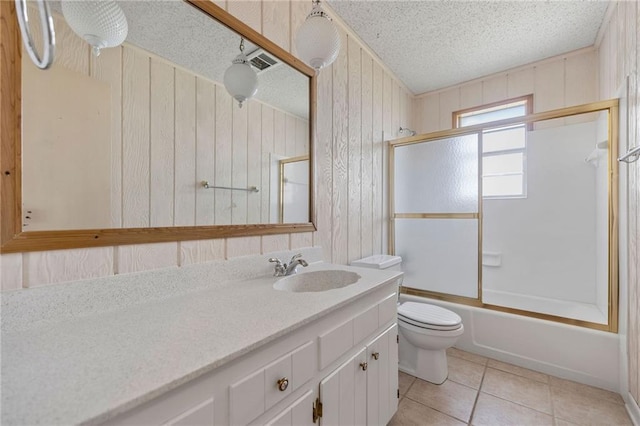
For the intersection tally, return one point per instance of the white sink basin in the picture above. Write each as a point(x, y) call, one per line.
point(316, 281)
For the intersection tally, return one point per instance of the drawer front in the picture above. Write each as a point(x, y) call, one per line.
point(387, 310)
point(335, 342)
point(199, 415)
point(365, 323)
point(257, 393)
point(303, 364)
point(277, 381)
point(247, 399)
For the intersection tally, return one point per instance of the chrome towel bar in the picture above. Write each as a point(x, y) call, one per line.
point(205, 184)
point(631, 156)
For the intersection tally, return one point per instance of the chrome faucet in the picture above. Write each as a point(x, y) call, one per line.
point(284, 269)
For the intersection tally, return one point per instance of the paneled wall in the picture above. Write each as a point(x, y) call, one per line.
point(360, 104)
point(619, 59)
point(561, 81)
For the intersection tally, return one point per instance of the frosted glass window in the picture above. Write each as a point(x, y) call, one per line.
point(493, 114)
point(502, 186)
point(503, 139)
point(439, 255)
point(499, 146)
point(502, 164)
point(437, 177)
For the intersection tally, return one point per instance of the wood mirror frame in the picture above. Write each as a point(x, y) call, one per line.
point(12, 237)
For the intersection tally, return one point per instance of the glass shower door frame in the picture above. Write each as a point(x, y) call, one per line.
point(609, 106)
point(477, 215)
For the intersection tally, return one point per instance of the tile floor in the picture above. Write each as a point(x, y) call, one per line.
point(483, 391)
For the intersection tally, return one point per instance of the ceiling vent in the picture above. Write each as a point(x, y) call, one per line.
point(262, 61)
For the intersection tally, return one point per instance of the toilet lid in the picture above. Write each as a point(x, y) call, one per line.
point(429, 316)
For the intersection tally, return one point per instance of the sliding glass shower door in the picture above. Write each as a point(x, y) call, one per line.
point(435, 207)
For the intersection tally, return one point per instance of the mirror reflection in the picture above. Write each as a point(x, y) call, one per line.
point(128, 138)
point(294, 189)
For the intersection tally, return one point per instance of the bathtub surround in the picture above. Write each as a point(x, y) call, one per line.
point(554, 255)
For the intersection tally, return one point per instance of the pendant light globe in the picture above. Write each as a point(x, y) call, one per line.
point(318, 40)
point(100, 23)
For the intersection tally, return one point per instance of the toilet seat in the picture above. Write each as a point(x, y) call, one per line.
point(429, 317)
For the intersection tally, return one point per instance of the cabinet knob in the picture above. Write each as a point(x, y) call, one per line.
point(283, 384)
point(375, 355)
point(364, 366)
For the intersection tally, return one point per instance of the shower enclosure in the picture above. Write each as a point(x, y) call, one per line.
point(534, 234)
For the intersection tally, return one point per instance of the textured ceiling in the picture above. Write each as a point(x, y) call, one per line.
point(185, 36)
point(434, 44)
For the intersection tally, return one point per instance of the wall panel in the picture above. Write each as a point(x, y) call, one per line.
point(494, 89)
point(109, 69)
point(557, 82)
point(162, 148)
point(366, 172)
point(354, 168)
point(185, 149)
point(340, 201)
point(135, 139)
point(618, 59)
point(205, 149)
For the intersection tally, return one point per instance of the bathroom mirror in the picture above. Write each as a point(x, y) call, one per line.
point(143, 143)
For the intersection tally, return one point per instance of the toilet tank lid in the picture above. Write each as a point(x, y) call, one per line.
point(378, 261)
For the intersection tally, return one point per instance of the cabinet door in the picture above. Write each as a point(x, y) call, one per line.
point(300, 413)
point(343, 393)
point(382, 377)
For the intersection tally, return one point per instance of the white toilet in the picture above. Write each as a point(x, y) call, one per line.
point(426, 331)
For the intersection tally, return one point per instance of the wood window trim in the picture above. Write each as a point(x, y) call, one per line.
point(455, 115)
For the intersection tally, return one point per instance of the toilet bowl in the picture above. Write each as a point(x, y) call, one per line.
point(426, 331)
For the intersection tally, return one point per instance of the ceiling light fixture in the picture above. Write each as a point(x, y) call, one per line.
point(317, 39)
point(100, 23)
point(240, 80)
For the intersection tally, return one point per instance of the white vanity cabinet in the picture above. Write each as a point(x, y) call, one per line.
point(282, 381)
point(363, 390)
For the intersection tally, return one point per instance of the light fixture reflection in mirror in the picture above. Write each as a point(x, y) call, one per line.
point(125, 140)
point(240, 78)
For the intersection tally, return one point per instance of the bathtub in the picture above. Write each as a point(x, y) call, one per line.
point(574, 353)
point(562, 308)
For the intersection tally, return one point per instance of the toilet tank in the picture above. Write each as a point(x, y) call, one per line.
point(380, 261)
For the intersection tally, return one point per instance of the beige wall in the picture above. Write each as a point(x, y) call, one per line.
point(619, 58)
point(561, 81)
point(358, 100)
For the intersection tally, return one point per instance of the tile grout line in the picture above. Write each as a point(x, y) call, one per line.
point(475, 403)
point(553, 406)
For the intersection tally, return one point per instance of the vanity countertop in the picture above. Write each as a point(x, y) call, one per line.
point(125, 349)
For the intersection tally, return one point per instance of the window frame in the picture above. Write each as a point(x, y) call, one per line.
point(528, 106)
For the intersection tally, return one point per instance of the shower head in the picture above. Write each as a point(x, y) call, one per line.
point(407, 131)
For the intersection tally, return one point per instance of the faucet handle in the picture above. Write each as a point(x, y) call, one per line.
point(295, 256)
point(275, 260)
